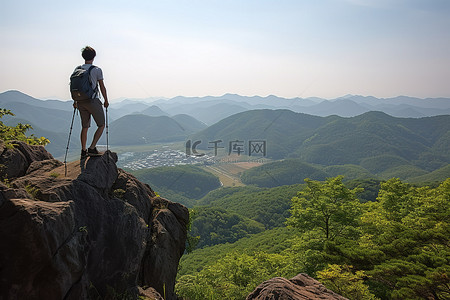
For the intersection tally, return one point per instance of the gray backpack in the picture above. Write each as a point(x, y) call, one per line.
point(80, 84)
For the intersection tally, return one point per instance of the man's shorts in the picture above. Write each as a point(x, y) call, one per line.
point(92, 107)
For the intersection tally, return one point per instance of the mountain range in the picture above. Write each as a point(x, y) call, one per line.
point(338, 131)
point(346, 106)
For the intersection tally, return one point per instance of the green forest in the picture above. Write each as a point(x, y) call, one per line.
point(394, 247)
point(363, 238)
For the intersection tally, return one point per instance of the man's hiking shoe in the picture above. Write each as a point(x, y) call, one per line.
point(83, 154)
point(93, 152)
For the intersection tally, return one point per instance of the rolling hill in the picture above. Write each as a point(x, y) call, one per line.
point(184, 183)
point(292, 171)
point(286, 172)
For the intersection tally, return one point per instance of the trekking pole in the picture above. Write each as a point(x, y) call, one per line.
point(107, 135)
point(68, 141)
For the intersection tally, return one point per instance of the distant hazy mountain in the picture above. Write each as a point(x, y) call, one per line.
point(189, 124)
point(215, 113)
point(440, 103)
point(58, 140)
point(213, 109)
point(131, 105)
point(208, 112)
point(271, 100)
point(142, 129)
point(126, 107)
point(343, 108)
point(347, 106)
point(10, 97)
point(154, 111)
point(45, 118)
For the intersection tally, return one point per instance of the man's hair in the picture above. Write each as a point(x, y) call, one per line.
point(88, 53)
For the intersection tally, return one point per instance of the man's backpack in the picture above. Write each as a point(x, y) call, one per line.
point(80, 84)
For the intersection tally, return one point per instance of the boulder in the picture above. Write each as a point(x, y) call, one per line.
point(301, 286)
point(15, 161)
point(97, 233)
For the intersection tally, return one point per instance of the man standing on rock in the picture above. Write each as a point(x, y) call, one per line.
point(92, 107)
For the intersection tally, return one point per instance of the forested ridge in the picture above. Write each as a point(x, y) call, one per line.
point(370, 140)
point(290, 171)
point(395, 247)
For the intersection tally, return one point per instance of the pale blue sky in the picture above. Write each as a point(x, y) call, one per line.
point(288, 48)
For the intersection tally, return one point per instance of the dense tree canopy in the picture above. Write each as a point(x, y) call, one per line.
point(409, 227)
point(218, 226)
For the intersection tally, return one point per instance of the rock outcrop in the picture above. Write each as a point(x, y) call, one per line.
point(301, 286)
point(97, 233)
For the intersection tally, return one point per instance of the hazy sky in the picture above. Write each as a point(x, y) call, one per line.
point(288, 48)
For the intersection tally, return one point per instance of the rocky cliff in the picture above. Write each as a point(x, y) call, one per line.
point(97, 233)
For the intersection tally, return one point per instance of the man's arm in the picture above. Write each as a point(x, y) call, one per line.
point(103, 90)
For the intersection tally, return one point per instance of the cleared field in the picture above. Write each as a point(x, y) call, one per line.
point(229, 173)
point(248, 165)
point(225, 178)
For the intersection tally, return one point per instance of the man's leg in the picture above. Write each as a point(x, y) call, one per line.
point(85, 117)
point(96, 109)
point(83, 137)
point(97, 135)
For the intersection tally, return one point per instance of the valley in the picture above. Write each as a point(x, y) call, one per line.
point(227, 168)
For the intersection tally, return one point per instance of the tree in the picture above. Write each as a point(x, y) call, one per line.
point(329, 206)
point(342, 280)
point(9, 133)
